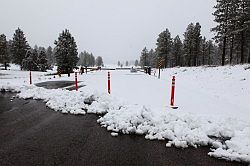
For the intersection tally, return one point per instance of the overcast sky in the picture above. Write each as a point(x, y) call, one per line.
point(113, 29)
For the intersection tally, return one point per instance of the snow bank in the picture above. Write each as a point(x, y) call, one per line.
point(183, 130)
point(228, 137)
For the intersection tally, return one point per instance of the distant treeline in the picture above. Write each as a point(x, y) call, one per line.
point(231, 45)
point(64, 54)
point(88, 59)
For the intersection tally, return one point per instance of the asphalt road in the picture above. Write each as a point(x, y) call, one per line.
point(31, 134)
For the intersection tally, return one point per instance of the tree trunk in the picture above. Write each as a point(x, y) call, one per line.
point(224, 51)
point(242, 48)
point(225, 38)
point(5, 65)
point(166, 61)
point(203, 55)
point(231, 50)
point(189, 57)
point(209, 55)
point(195, 59)
point(248, 55)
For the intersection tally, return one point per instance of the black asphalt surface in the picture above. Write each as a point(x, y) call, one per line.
point(32, 134)
point(55, 84)
point(58, 84)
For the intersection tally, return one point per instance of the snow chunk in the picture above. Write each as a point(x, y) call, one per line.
point(114, 134)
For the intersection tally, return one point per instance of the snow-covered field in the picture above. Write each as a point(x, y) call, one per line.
point(214, 104)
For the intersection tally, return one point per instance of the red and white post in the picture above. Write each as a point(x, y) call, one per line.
point(109, 83)
point(172, 92)
point(30, 78)
point(76, 83)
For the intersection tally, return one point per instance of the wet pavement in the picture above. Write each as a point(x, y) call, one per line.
point(32, 134)
point(59, 84)
point(55, 84)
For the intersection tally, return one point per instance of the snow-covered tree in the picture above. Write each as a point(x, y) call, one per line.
point(152, 58)
point(86, 59)
point(197, 43)
point(164, 46)
point(188, 45)
point(19, 47)
point(92, 60)
point(191, 44)
point(177, 50)
point(222, 18)
point(144, 61)
point(66, 52)
point(99, 61)
point(42, 61)
point(136, 63)
point(30, 62)
point(50, 57)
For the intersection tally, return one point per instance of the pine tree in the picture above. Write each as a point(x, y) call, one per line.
point(197, 43)
point(177, 50)
point(42, 61)
point(118, 63)
point(221, 17)
point(243, 28)
point(66, 52)
point(86, 59)
point(19, 47)
point(152, 58)
point(126, 63)
point(9, 44)
point(211, 57)
point(247, 25)
point(50, 57)
point(30, 62)
point(4, 56)
point(164, 45)
point(188, 45)
point(232, 30)
point(36, 47)
point(202, 60)
point(92, 60)
point(80, 61)
point(144, 61)
point(136, 63)
point(233, 12)
point(99, 61)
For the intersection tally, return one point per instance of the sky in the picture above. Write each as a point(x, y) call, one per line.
point(113, 29)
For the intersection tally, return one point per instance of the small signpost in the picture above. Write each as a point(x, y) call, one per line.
point(161, 63)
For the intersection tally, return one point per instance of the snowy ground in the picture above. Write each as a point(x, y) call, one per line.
point(214, 107)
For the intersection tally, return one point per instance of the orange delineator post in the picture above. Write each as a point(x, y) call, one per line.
point(30, 78)
point(76, 83)
point(172, 92)
point(108, 82)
